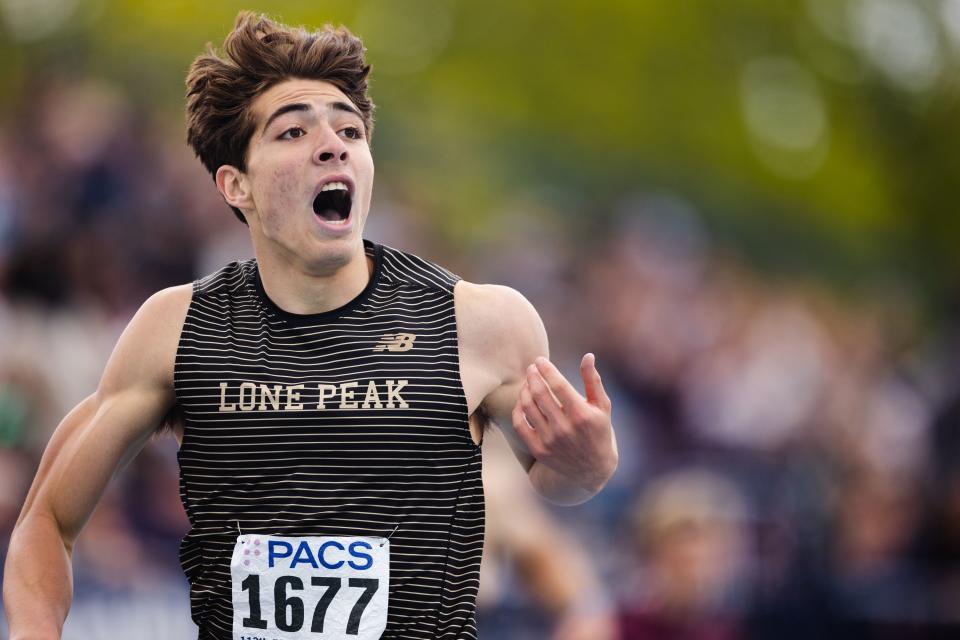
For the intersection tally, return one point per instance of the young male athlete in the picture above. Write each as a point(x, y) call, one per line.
point(330, 394)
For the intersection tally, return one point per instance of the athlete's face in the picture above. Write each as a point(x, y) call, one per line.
point(306, 191)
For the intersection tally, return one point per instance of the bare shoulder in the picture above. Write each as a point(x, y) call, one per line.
point(166, 310)
point(146, 350)
point(499, 324)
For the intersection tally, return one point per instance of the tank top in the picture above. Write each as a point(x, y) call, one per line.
point(351, 422)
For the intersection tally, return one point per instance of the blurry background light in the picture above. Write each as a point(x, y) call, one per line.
point(900, 39)
point(785, 115)
point(950, 15)
point(29, 20)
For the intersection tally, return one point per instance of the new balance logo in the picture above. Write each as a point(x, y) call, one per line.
point(395, 342)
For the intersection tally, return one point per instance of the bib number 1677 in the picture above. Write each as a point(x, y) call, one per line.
point(288, 610)
point(310, 588)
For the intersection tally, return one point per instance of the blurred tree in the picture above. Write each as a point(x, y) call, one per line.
point(817, 136)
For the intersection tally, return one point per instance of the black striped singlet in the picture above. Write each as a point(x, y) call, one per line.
point(351, 422)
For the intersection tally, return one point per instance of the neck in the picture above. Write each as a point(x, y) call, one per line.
point(304, 291)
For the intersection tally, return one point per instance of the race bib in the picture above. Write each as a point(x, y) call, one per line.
point(310, 588)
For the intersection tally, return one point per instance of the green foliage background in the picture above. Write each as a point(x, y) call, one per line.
point(581, 104)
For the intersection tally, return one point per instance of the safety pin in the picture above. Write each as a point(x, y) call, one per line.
point(389, 536)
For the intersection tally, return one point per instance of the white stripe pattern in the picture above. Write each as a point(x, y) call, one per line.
point(317, 462)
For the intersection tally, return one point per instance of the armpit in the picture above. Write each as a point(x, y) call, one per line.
point(172, 422)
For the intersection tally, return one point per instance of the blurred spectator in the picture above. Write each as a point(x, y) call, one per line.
point(553, 574)
point(692, 540)
point(552, 583)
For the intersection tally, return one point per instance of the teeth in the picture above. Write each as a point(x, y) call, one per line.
point(330, 186)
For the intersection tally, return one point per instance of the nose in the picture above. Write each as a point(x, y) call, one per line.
point(331, 150)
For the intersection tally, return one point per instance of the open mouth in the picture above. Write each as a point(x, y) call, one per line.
point(333, 203)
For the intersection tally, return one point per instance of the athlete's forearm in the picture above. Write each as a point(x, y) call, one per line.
point(563, 490)
point(38, 581)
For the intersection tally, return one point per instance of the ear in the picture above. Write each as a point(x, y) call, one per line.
point(234, 186)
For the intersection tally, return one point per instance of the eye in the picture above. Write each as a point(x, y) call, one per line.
point(353, 133)
point(292, 132)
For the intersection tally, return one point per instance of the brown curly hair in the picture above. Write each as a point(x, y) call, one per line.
point(260, 53)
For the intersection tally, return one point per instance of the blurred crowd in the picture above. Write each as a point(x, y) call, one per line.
point(787, 453)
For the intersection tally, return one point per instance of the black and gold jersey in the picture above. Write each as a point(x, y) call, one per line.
point(351, 422)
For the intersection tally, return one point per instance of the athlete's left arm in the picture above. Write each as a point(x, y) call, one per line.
point(564, 439)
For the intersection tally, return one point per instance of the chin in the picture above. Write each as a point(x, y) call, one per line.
point(330, 254)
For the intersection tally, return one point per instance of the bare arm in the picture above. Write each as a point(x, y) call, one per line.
point(564, 440)
point(94, 440)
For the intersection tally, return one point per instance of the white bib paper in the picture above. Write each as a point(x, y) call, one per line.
point(310, 588)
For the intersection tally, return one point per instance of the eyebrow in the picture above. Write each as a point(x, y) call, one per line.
point(302, 106)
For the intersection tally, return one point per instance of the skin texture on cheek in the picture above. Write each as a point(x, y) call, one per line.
point(279, 202)
point(284, 180)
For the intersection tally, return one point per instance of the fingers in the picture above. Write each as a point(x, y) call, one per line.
point(549, 405)
point(536, 403)
point(524, 430)
point(596, 395)
point(564, 391)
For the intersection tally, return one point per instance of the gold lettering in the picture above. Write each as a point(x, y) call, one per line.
point(327, 391)
point(346, 393)
point(273, 397)
point(266, 397)
point(223, 399)
point(372, 398)
point(293, 397)
point(252, 388)
point(394, 392)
